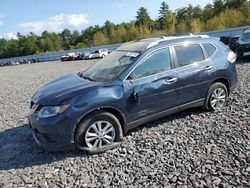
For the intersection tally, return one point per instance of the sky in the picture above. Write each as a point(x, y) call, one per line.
point(26, 16)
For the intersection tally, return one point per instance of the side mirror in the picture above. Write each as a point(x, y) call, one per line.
point(135, 95)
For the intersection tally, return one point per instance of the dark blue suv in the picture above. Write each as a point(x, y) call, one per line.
point(139, 82)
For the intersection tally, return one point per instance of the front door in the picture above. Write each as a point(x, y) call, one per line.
point(151, 86)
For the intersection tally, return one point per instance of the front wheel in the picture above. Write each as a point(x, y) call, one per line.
point(216, 97)
point(99, 132)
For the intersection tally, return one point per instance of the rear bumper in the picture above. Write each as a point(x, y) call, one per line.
point(242, 50)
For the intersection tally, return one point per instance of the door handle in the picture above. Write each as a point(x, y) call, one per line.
point(171, 80)
point(208, 67)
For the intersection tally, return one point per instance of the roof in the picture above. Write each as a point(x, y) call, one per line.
point(143, 44)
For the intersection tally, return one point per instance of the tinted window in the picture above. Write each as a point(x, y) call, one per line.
point(158, 62)
point(209, 48)
point(187, 54)
point(246, 35)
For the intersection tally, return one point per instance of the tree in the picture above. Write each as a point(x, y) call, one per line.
point(208, 12)
point(143, 18)
point(75, 38)
point(234, 4)
point(168, 23)
point(218, 6)
point(195, 26)
point(29, 44)
point(132, 32)
point(109, 29)
point(66, 39)
point(181, 27)
point(220, 14)
point(245, 9)
point(120, 34)
point(182, 14)
point(215, 24)
point(164, 9)
point(197, 12)
point(87, 35)
point(49, 42)
point(3, 47)
point(166, 18)
point(236, 18)
point(100, 39)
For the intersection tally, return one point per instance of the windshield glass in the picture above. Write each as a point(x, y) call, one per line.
point(110, 67)
point(246, 35)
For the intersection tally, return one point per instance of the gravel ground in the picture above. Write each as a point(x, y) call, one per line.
point(189, 149)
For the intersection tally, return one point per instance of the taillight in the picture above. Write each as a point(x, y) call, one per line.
point(231, 57)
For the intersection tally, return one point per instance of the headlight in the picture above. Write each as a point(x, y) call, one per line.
point(48, 111)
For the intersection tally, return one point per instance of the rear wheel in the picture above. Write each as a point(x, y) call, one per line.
point(216, 97)
point(99, 132)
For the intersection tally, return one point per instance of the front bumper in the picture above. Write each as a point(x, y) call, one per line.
point(53, 133)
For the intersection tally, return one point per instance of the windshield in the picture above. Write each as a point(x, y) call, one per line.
point(110, 67)
point(246, 35)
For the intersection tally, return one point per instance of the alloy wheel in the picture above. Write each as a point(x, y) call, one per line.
point(218, 98)
point(100, 134)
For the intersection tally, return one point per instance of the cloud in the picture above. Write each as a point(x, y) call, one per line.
point(1, 22)
point(56, 23)
point(12, 35)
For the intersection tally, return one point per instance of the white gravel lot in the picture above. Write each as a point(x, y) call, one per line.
point(189, 149)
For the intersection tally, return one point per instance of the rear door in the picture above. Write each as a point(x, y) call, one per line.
point(195, 70)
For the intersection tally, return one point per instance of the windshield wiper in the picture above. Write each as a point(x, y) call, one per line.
point(88, 78)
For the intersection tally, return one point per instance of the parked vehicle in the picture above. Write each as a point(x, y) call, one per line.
point(69, 57)
point(101, 53)
point(232, 41)
point(242, 46)
point(139, 82)
point(82, 56)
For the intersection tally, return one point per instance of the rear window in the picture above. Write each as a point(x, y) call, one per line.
point(187, 54)
point(209, 48)
point(246, 34)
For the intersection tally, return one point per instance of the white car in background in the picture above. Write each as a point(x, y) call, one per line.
point(101, 53)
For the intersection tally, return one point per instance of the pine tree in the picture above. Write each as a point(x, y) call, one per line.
point(164, 9)
point(143, 18)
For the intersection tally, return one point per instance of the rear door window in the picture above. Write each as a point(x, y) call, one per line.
point(209, 48)
point(187, 54)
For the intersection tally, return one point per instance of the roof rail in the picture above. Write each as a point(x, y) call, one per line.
point(166, 38)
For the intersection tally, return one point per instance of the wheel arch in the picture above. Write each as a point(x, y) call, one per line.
point(112, 110)
point(224, 81)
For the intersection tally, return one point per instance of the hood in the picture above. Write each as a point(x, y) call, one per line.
point(61, 89)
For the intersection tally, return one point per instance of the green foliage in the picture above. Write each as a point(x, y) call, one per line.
point(143, 18)
point(100, 39)
point(221, 14)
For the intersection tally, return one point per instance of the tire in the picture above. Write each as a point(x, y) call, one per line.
point(216, 92)
point(88, 136)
